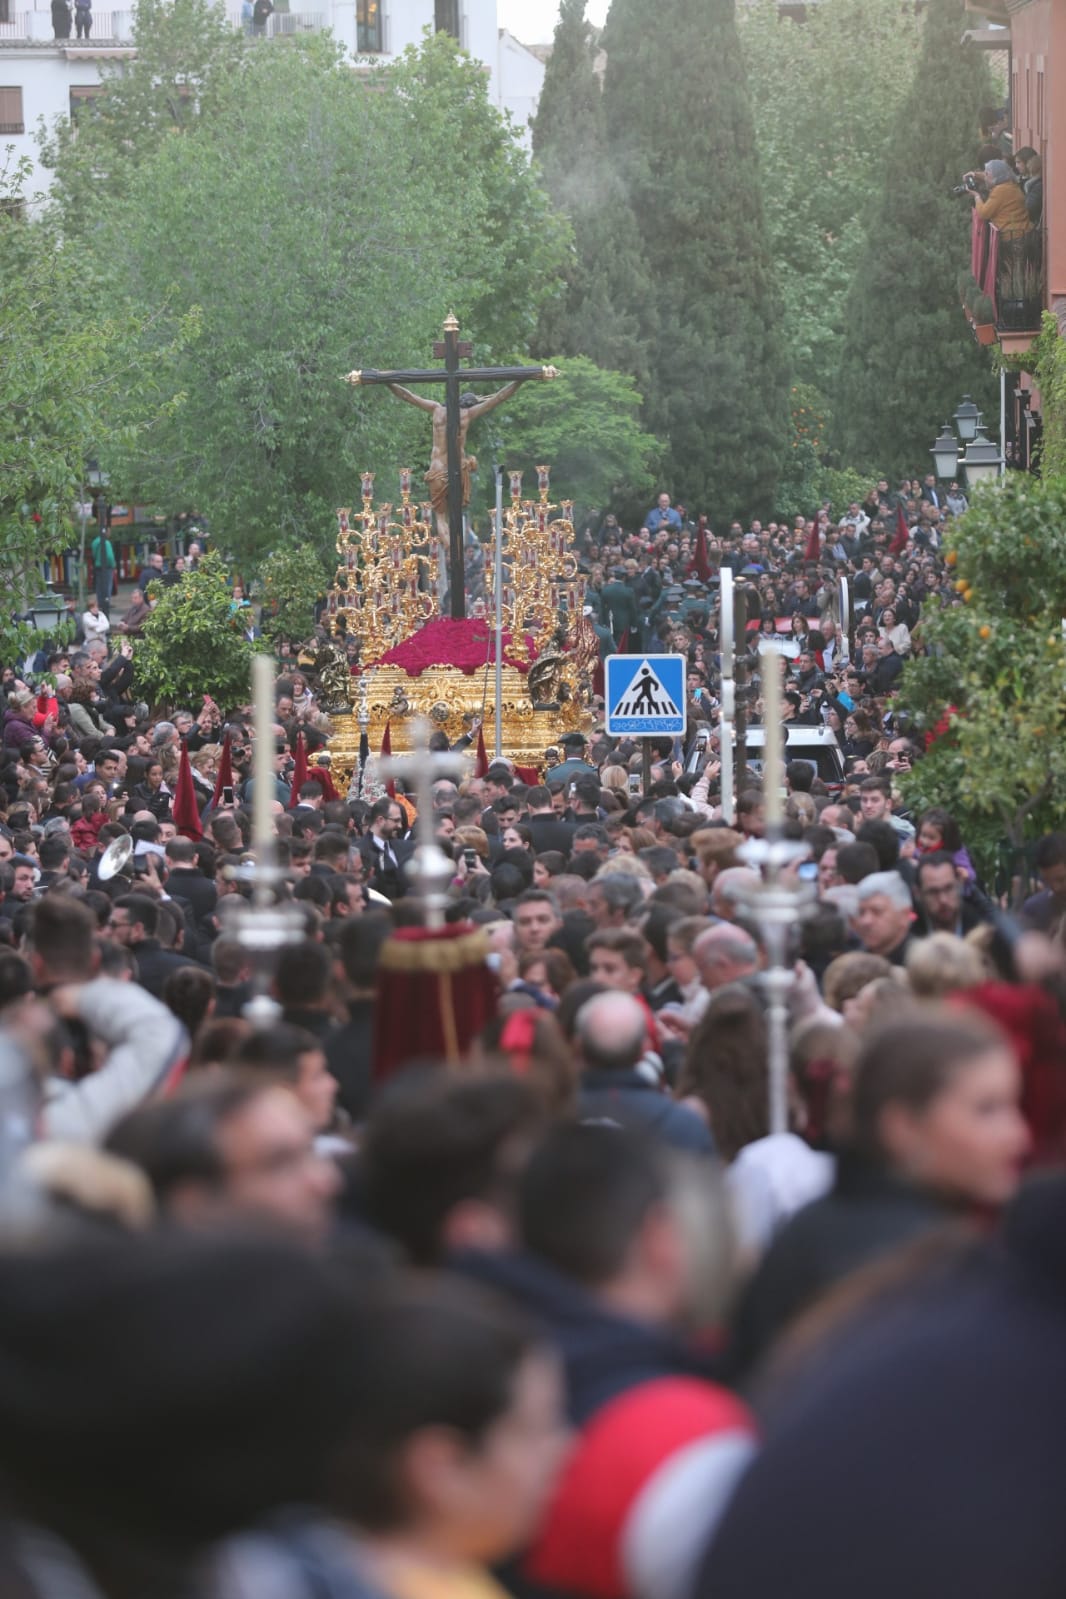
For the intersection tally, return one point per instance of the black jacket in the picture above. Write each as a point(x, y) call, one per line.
point(548, 832)
point(921, 1455)
point(866, 1214)
point(155, 964)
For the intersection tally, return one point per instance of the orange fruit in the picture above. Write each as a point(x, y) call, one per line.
point(961, 583)
point(951, 557)
point(985, 632)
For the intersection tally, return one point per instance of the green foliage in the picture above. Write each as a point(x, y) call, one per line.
point(680, 134)
point(906, 355)
point(500, 244)
point(1048, 357)
point(838, 486)
point(999, 660)
point(586, 426)
point(73, 384)
point(319, 237)
point(825, 92)
point(605, 311)
point(290, 582)
point(798, 489)
point(192, 644)
point(186, 53)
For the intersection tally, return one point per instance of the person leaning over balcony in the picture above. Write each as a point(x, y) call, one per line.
point(1031, 170)
point(1005, 205)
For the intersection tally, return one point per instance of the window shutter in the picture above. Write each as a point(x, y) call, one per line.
point(11, 119)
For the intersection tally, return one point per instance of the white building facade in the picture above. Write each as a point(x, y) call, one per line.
point(42, 78)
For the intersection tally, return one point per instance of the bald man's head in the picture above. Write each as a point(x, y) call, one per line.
point(725, 954)
point(611, 1031)
point(729, 889)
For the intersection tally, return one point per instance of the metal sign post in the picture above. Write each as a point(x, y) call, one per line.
point(727, 695)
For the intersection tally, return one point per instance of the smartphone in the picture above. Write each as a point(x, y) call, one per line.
point(227, 794)
point(470, 856)
point(634, 782)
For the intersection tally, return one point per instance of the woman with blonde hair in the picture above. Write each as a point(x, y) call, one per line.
point(941, 965)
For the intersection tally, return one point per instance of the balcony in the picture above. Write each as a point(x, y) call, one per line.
point(1005, 292)
point(116, 27)
point(283, 24)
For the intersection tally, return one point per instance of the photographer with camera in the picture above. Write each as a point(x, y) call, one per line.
point(1005, 206)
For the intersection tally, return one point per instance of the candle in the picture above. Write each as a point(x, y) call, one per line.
point(773, 772)
point(263, 762)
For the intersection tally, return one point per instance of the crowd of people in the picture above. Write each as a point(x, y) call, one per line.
point(560, 1316)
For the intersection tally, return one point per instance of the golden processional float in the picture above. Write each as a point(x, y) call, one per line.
point(415, 664)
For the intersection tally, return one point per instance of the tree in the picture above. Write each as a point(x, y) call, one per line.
point(990, 690)
point(586, 426)
point(605, 310)
point(290, 582)
point(192, 643)
point(323, 240)
point(686, 155)
point(502, 246)
point(69, 365)
point(826, 91)
point(906, 357)
point(187, 53)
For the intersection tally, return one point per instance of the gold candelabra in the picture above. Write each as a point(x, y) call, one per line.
point(390, 575)
point(541, 585)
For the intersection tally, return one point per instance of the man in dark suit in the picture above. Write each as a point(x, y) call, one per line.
point(884, 679)
point(135, 923)
point(547, 831)
point(384, 851)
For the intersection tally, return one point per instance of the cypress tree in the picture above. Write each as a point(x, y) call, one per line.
point(604, 310)
point(680, 132)
point(907, 357)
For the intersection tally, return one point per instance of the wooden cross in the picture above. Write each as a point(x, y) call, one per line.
point(454, 377)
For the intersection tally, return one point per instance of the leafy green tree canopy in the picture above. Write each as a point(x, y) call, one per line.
point(320, 236)
point(75, 383)
point(192, 644)
point(907, 358)
point(681, 134)
point(586, 426)
point(826, 91)
point(289, 583)
point(997, 662)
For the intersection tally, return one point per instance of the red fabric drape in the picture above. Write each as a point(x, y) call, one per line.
point(902, 533)
point(434, 995)
point(184, 806)
point(299, 771)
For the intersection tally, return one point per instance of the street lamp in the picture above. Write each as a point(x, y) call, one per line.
point(945, 453)
point(982, 460)
point(45, 612)
point(95, 479)
point(967, 419)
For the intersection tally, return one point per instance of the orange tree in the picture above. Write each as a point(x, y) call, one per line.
point(990, 692)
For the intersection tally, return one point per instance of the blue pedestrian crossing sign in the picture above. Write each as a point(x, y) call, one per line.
point(645, 695)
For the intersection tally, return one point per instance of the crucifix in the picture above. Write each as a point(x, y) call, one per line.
point(449, 465)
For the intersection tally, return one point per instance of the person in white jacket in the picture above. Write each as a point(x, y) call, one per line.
point(94, 624)
point(146, 1046)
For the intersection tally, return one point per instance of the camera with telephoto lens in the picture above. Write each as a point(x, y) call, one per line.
point(967, 186)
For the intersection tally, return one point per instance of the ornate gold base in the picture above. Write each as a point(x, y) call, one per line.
point(449, 700)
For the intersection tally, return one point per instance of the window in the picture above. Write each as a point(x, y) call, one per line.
point(368, 27)
point(80, 94)
point(446, 17)
point(11, 120)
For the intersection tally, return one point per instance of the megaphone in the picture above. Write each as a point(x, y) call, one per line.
point(115, 859)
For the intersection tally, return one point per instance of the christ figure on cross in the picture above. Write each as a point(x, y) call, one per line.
point(470, 407)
